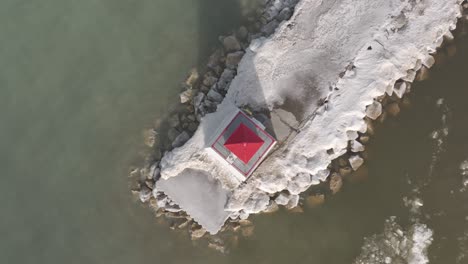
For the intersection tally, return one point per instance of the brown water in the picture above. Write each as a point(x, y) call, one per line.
point(78, 82)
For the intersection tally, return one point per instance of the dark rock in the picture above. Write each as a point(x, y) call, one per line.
point(225, 79)
point(181, 139)
point(209, 80)
point(215, 96)
point(231, 44)
point(284, 14)
point(192, 127)
point(269, 28)
point(198, 99)
point(145, 194)
point(242, 33)
point(174, 120)
point(215, 59)
point(233, 59)
point(172, 134)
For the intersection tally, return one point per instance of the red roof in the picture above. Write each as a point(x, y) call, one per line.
point(244, 143)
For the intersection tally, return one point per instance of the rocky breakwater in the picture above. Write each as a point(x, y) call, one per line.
point(203, 90)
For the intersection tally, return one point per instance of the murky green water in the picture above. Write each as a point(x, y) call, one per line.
point(80, 79)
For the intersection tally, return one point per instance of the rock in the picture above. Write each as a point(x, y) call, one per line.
point(393, 109)
point(336, 182)
point(218, 247)
point(342, 162)
point(242, 33)
point(271, 208)
point(172, 134)
point(145, 194)
point(245, 222)
point(215, 96)
point(181, 139)
point(233, 59)
point(400, 89)
point(150, 137)
point(270, 28)
point(197, 233)
point(299, 183)
point(248, 231)
point(374, 110)
point(315, 200)
point(284, 14)
point(225, 79)
point(282, 199)
point(356, 146)
point(215, 59)
point(192, 78)
point(153, 204)
point(209, 80)
point(173, 120)
point(293, 201)
point(370, 127)
point(192, 127)
point(451, 50)
point(355, 162)
point(198, 100)
point(360, 175)
point(231, 44)
point(345, 171)
point(364, 139)
point(423, 74)
point(296, 210)
point(186, 96)
point(150, 184)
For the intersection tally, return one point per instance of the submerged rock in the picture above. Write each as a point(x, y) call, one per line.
point(150, 137)
point(336, 182)
point(231, 44)
point(315, 200)
point(181, 139)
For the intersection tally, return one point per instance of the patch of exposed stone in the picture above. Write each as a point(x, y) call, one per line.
point(205, 89)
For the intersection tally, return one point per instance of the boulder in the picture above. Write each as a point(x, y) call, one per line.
point(248, 231)
point(284, 14)
point(173, 120)
point(242, 33)
point(393, 109)
point(271, 208)
point(215, 96)
point(356, 146)
point(150, 137)
point(315, 200)
point(192, 78)
point(172, 134)
point(198, 233)
point(374, 110)
point(293, 201)
point(270, 28)
point(355, 162)
point(225, 79)
point(231, 44)
point(282, 199)
point(233, 59)
point(186, 96)
point(181, 139)
point(209, 80)
point(198, 99)
point(336, 182)
point(145, 194)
